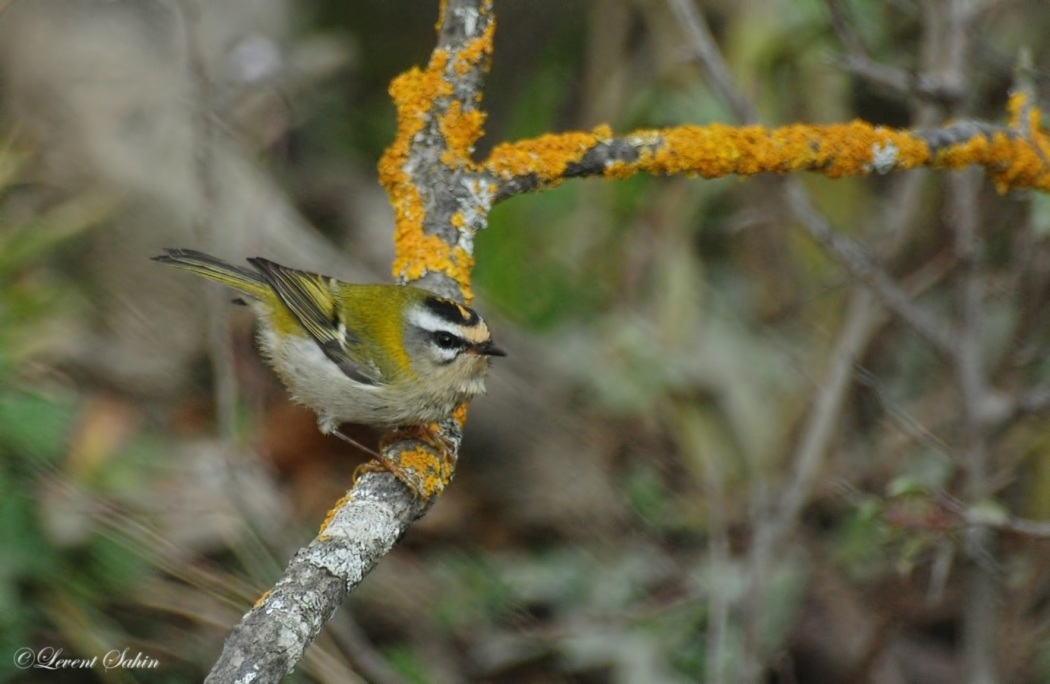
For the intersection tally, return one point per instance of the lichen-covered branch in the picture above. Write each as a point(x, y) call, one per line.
point(1014, 156)
point(438, 203)
point(437, 210)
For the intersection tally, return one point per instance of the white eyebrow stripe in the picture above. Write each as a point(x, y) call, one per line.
point(426, 320)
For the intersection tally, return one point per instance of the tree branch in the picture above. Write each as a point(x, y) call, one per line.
point(1012, 158)
point(437, 211)
point(272, 637)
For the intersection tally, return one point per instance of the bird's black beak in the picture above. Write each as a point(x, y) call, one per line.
point(488, 348)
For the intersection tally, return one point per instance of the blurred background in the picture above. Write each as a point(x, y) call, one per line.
point(711, 455)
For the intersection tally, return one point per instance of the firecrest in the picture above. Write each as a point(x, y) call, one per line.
point(382, 355)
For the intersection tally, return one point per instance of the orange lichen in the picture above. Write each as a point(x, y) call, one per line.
point(1023, 165)
point(416, 94)
point(838, 150)
point(1016, 106)
point(619, 169)
point(460, 130)
point(424, 99)
point(261, 599)
point(911, 151)
point(419, 254)
point(459, 414)
point(410, 92)
point(546, 157)
point(476, 53)
point(1014, 163)
point(429, 473)
point(717, 150)
point(331, 513)
point(713, 151)
point(419, 96)
point(442, 9)
point(963, 154)
point(708, 151)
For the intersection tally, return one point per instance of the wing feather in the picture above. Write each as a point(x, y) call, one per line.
point(311, 299)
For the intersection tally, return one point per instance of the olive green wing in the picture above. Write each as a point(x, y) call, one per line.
point(310, 298)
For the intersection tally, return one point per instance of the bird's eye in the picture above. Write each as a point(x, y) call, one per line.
point(446, 340)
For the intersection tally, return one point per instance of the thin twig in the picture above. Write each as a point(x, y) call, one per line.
point(970, 515)
point(861, 318)
point(905, 83)
point(703, 46)
point(860, 264)
point(858, 61)
point(950, 24)
point(843, 28)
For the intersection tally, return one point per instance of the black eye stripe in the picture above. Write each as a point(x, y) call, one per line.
point(450, 311)
point(446, 340)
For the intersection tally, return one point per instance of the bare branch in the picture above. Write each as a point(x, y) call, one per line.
point(858, 61)
point(703, 46)
point(905, 83)
point(843, 27)
point(860, 264)
point(272, 637)
point(861, 319)
point(985, 517)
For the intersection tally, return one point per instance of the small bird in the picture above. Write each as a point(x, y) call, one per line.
point(389, 356)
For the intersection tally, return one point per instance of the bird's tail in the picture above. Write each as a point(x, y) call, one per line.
point(245, 280)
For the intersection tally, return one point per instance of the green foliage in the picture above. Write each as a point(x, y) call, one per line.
point(647, 495)
point(472, 592)
point(46, 581)
point(61, 571)
point(533, 267)
point(862, 539)
point(34, 429)
point(406, 662)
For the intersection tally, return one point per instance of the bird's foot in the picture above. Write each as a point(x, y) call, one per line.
point(417, 468)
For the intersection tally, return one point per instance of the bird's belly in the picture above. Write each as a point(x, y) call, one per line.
point(319, 384)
